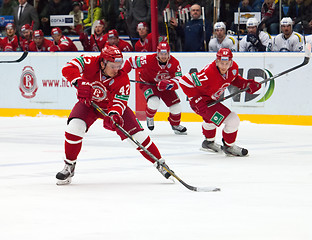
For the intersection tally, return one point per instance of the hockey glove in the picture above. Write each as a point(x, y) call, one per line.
point(167, 85)
point(254, 40)
point(253, 86)
point(85, 92)
point(111, 121)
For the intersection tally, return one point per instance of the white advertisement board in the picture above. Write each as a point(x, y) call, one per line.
point(37, 83)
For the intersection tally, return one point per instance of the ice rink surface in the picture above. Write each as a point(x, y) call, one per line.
point(117, 195)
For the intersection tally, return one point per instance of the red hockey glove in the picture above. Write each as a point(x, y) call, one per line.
point(85, 92)
point(253, 86)
point(199, 104)
point(111, 121)
point(167, 85)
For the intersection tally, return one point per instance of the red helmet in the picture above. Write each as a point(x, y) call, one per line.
point(163, 47)
point(224, 54)
point(111, 54)
point(56, 31)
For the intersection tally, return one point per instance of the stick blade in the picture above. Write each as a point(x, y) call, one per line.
point(208, 189)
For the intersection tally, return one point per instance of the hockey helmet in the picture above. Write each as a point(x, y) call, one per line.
point(56, 31)
point(25, 27)
point(286, 21)
point(163, 47)
point(112, 33)
point(111, 54)
point(252, 22)
point(219, 25)
point(224, 54)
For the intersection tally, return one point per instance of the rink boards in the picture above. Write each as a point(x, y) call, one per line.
point(35, 87)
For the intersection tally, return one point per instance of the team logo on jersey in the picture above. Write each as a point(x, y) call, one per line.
point(234, 71)
point(28, 82)
point(100, 91)
point(162, 75)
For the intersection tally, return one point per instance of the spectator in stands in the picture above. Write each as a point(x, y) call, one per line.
point(11, 42)
point(227, 9)
point(61, 42)
point(256, 5)
point(299, 10)
point(78, 17)
point(94, 15)
point(97, 40)
point(145, 42)
point(25, 13)
point(110, 12)
point(40, 44)
point(7, 7)
point(137, 11)
point(270, 16)
point(113, 39)
point(193, 34)
point(221, 40)
point(27, 37)
point(245, 6)
point(55, 7)
point(288, 40)
point(255, 40)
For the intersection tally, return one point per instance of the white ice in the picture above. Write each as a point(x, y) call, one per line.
point(117, 195)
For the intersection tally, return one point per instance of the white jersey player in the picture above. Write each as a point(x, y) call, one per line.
point(288, 40)
point(221, 40)
point(309, 39)
point(255, 41)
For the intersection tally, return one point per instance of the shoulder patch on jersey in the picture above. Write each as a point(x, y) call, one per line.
point(178, 74)
point(196, 80)
point(300, 39)
point(232, 39)
point(80, 59)
point(138, 62)
point(234, 71)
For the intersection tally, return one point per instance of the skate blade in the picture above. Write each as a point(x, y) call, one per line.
point(64, 182)
point(210, 150)
point(179, 133)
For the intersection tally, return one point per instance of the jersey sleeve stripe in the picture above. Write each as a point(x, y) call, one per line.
point(300, 39)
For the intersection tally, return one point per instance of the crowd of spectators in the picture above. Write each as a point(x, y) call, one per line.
point(181, 22)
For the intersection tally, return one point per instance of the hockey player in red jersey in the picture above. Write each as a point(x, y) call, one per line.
point(61, 42)
point(207, 86)
point(97, 40)
point(162, 70)
point(100, 79)
point(40, 44)
point(114, 40)
point(144, 44)
point(10, 42)
point(27, 33)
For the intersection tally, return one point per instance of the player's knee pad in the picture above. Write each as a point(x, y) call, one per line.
point(175, 109)
point(153, 102)
point(231, 123)
point(76, 127)
point(209, 126)
point(140, 136)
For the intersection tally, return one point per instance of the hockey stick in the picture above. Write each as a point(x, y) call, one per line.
point(204, 29)
point(24, 55)
point(147, 83)
point(196, 189)
point(305, 62)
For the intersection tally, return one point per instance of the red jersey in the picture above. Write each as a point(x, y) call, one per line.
point(123, 46)
point(10, 45)
point(25, 44)
point(210, 83)
point(44, 48)
point(151, 70)
point(144, 46)
point(65, 44)
point(111, 94)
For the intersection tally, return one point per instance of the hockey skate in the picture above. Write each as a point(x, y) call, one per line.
point(179, 130)
point(211, 146)
point(64, 176)
point(234, 150)
point(150, 123)
point(160, 167)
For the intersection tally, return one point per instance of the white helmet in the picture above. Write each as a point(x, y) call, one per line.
point(219, 25)
point(286, 21)
point(252, 22)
